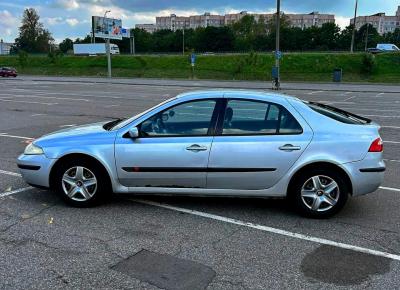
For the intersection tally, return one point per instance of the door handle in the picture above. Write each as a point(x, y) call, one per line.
point(289, 147)
point(196, 148)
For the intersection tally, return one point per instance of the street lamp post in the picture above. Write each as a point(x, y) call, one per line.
point(107, 46)
point(354, 28)
point(183, 40)
point(277, 47)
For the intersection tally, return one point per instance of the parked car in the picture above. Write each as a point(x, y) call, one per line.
point(220, 143)
point(8, 72)
point(374, 50)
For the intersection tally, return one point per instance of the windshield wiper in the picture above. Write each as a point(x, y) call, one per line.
point(108, 126)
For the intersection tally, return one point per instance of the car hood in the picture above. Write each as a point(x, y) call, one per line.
point(73, 132)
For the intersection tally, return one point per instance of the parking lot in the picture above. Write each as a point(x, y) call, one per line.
point(218, 243)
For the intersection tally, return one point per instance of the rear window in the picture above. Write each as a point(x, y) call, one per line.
point(338, 114)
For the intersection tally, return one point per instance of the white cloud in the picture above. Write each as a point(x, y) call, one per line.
point(342, 21)
point(72, 21)
point(53, 20)
point(8, 24)
point(67, 4)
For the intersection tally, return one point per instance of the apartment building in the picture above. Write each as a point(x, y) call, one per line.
point(380, 21)
point(5, 47)
point(148, 27)
point(174, 22)
point(304, 21)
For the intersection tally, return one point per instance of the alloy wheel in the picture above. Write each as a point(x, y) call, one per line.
point(79, 183)
point(320, 193)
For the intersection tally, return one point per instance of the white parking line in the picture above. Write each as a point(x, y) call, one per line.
point(382, 116)
point(315, 92)
point(271, 230)
point(14, 136)
point(69, 125)
point(28, 102)
point(391, 160)
point(389, 188)
point(345, 100)
point(391, 127)
point(391, 142)
point(10, 173)
point(7, 193)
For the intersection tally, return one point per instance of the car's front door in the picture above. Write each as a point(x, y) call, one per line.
point(172, 149)
point(257, 143)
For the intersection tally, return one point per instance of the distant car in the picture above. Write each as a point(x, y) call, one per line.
point(387, 47)
point(374, 50)
point(8, 72)
point(221, 143)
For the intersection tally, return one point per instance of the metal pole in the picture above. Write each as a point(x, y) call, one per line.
point(133, 44)
point(183, 42)
point(354, 28)
point(277, 48)
point(366, 38)
point(108, 57)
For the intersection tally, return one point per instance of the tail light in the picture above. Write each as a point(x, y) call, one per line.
point(376, 146)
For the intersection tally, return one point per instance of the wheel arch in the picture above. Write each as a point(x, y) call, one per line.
point(77, 156)
point(321, 165)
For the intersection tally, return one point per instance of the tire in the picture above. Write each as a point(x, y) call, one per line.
point(88, 184)
point(319, 199)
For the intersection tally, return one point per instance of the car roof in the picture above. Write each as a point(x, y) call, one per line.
point(246, 94)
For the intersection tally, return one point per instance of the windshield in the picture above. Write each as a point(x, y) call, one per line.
point(123, 122)
point(338, 114)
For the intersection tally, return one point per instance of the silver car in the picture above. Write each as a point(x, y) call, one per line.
point(219, 143)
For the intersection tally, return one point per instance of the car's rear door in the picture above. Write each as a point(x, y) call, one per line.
point(258, 141)
point(172, 150)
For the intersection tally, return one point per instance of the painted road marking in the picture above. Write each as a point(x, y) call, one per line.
point(389, 188)
point(14, 136)
point(271, 229)
point(391, 142)
point(345, 100)
point(381, 116)
point(70, 125)
point(391, 160)
point(7, 193)
point(10, 173)
point(28, 102)
point(315, 92)
point(391, 127)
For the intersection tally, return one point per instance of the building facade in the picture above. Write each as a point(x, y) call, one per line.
point(380, 21)
point(174, 22)
point(5, 47)
point(148, 27)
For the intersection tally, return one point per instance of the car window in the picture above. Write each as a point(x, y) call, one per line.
point(187, 119)
point(337, 114)
point(244, 117)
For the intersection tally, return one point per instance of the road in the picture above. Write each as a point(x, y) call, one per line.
point(218, 243)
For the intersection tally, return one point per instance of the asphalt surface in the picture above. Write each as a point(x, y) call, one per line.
point(185, 242)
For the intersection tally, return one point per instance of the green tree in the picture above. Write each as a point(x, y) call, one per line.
point(66, 45)
point(33, 37)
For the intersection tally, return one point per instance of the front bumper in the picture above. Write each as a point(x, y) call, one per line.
point(35, 169)
point(366, 175)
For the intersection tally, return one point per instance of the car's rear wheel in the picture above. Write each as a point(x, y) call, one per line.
point(82, 183)
point(319, 193)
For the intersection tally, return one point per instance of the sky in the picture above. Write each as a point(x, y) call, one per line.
point(72, 18)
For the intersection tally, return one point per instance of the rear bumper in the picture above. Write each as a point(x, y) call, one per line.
point(35, 169)
point(366, 175)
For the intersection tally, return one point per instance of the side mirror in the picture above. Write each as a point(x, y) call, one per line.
point(133, 132)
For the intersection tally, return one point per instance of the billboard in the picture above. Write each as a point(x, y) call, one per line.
point(107, 27)
point(126, 32)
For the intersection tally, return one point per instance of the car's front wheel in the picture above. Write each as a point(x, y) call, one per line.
point(82, 183)
point(319, 193)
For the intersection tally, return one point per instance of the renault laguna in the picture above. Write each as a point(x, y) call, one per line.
point(218, 143)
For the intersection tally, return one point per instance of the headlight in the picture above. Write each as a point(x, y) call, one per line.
point(33, 149)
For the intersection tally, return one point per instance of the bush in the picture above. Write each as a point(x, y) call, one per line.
point(22, 58)
point(55, 56)
point(367, 63)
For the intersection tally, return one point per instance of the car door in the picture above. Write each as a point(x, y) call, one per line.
point(172, 149)
point(256, 144)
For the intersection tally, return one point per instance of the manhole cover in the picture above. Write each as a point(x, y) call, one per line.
point(166, 271)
